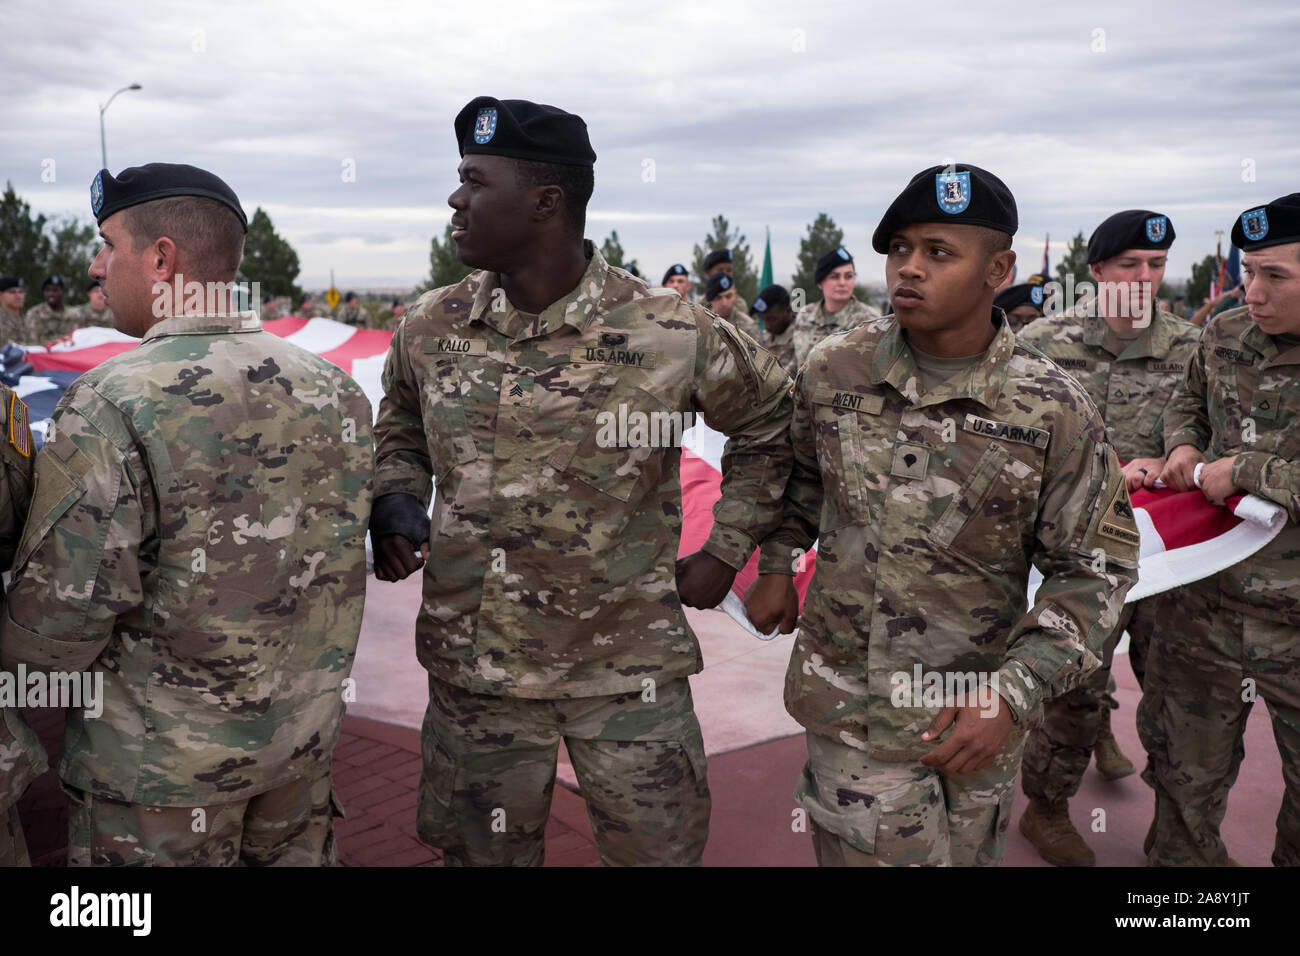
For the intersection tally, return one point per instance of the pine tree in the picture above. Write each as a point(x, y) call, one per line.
point(269, 259)
point(445, 267)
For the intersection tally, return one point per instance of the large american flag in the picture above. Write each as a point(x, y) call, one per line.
point(1184, 537)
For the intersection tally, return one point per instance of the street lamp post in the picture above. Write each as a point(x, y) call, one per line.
point(103, 143)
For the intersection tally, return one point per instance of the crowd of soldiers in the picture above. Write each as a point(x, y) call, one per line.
point(52, 318)
point(193, 530)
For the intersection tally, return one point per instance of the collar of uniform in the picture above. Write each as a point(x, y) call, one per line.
point(578, 308)
point(205, 324)
point(982, 382)
point(1260, 341)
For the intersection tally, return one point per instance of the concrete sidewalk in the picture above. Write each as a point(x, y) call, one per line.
point(756, 753)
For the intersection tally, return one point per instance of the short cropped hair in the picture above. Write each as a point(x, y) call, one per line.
point(577, 183)
point(208, 232)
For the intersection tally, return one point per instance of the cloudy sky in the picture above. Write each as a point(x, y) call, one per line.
point(767, 112)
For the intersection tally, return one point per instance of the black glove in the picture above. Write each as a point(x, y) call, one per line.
point(399, 513)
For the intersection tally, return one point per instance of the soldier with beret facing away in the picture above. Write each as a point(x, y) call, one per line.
point(196, 540)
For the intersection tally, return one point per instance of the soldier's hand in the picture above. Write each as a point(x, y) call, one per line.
point(974, 742)
point(703, 580)
point(1216, 481)
point(772, 601)
point(1179, 467)
point(395, 557)
point(1142, 473)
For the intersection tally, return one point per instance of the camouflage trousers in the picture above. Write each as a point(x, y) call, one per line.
point(489, 772)
point(863, 811)
point(291, 825)
point(1206, 666)
point(1060, 747)
point(13, 848)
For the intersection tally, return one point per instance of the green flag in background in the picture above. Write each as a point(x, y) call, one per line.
point(765, 279)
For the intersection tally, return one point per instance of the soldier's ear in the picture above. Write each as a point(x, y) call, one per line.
point(1000, 266)
point(550, 201)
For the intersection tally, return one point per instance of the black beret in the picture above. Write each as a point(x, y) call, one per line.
point(830, 262)
point(53, 280)
point(520, 129)
point(1130, 229)
point(962, 194)
point(93, 284)
point(1014, 296)
point(676, 269)
point(11, 282)
point(349, 297)
point(715, 257)
point(139, 184)
point(1274, 224)
point(718, 283)
point(773, 297)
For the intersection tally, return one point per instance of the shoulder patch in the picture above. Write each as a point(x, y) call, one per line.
point(1024, 434)
point(20, 436)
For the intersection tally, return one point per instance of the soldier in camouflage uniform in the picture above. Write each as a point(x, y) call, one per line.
point(351, 313)
point(936, 459)
point(13, 327)
point(838, 310)
point(95, 312)
point(50, 319)
point(679, 280)
point(311, 309)
point(1233, 428)
point(1022, 303)
point(22, 758)
point(720, 296)
point(549, 608)
point(772, 307)
point(720, 262)
point(1130, 358)
point(196, 537)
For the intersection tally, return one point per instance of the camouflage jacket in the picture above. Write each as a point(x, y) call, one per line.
point(782, 346)
point(1129, 380)
point(930, 509)
point(1242, 397)
point(352, 316)
point(14, 328)
point(812, 324)
point(22, 758)
point(558, 514)
point(86, 317)
point(197, 536)
point(46, 325)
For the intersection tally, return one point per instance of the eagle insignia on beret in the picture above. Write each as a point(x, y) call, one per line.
point(952, 191)
point(485, 126)
point(1255, 224)
point(97, 193)
point(1157, 226)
